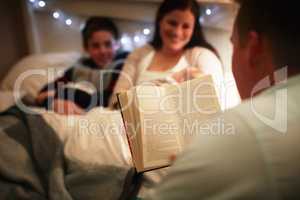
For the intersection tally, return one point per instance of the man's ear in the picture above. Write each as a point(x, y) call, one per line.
point(255, 47)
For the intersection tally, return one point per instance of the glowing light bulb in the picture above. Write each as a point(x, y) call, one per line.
point(146, 31)
point(123, 40)
point(56, 15)
point(42, 4)
point(68, 22)
point(208, 11)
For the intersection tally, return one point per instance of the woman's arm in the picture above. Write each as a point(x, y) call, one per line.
point(201, 61)
point(128, 75)
point(208, 63)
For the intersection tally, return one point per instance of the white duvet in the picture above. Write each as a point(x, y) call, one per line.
point(98, 138)
point(95, 138)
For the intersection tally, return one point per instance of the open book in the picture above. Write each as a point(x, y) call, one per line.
point(160, 120)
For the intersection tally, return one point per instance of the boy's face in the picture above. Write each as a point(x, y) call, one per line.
point(101, 47)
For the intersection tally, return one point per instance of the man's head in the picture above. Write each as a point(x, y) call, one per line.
point(100, 37)
point(265, 38)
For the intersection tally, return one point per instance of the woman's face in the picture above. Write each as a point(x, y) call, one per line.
point(176, 29)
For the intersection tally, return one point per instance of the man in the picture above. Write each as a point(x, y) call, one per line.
point(100, 69)
point(256, 153)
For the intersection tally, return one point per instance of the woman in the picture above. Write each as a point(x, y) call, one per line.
point(178, 51)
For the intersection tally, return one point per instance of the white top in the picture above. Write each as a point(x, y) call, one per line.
point(147, 76)
point(135, 68)
point(254, 156)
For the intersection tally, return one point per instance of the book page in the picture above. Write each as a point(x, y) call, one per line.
point(159, 126)
point(197, 103)
point(161, 140)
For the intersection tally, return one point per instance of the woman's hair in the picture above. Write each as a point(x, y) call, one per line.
point(94, 24)
point(168, 6)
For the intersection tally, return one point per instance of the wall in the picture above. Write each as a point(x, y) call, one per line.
point(220, 39)
point(55, 36)
point(12, 35)
point(131, 17)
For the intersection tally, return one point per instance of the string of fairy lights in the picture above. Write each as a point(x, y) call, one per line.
point(128, 40)
point(57, 14)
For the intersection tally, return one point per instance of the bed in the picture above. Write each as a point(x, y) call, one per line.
point(45, 155)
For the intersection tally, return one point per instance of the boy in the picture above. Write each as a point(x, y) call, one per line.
point(100, 69)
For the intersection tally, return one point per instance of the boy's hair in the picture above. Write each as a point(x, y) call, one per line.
point(277, 22)
point(94, 24)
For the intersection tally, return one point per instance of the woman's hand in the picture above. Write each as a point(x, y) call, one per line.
point(186, 74)
point(66, 107)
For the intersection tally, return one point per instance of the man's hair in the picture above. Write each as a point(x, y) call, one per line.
point(277, 22)
point(94, 24)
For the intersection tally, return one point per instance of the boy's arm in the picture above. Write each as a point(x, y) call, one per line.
point(50, 89)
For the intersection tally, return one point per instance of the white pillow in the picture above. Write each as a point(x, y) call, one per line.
point(31, 73)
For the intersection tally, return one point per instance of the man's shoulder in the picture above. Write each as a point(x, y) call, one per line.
point(271, 113)
point(284, 93)
point(241, 146)
point(266, 112)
